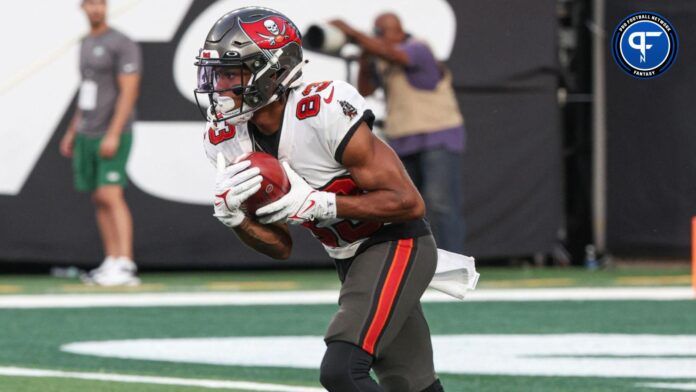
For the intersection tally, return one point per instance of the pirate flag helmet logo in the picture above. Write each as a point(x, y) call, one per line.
point(272, 32)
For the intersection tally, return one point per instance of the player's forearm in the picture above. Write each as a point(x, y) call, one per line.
point(381, 205)
point(75, 121)
point(124, 107)
point(272, 240)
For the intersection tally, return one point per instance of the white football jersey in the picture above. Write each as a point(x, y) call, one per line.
point(318, 122)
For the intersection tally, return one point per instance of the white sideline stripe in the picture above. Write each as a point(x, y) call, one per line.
point(213, 384)
point(331, 297)
point(675, 386)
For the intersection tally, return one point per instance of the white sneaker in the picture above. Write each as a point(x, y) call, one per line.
point(126, 264)
point(109, 262)
point(115, 277)
point(115, 272)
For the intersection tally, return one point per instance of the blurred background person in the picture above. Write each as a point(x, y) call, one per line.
point(99, 137)
point(423, 122)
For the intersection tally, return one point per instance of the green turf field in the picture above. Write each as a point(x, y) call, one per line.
point(32, 338)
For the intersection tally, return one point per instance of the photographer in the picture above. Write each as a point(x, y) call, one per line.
point(423, 122)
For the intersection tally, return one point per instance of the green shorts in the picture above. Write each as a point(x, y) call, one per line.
point(92, 171)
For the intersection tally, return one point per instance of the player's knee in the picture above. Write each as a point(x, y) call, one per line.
point(395, 383)
point(335, 370)
point(106, 197)
point(344, 367)
point(401, 383)
point(435, 387)
point(333, 375)
point(100, 199)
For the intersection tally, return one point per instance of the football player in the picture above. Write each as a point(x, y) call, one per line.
point(347, 187)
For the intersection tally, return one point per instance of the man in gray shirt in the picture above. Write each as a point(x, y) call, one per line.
point(99, 137)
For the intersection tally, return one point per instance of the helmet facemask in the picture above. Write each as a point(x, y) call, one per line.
point(222, 107)
point(258, 87)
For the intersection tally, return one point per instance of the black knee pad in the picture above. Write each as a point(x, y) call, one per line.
point(435, 387)
point(394, 383)
point(346, 368)
point(401, 383)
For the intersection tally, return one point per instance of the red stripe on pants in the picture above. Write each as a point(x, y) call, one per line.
point(388, 295)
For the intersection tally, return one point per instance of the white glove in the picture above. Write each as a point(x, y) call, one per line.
point(225, 107)
point(302, 204)
point(233, 185)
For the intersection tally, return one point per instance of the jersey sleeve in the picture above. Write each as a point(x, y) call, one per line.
point(129, 57)
point(342, 111)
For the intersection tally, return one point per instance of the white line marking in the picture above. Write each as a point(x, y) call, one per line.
point(642, 356)
point(665, 385)
point(331, 297)
point(213, 384)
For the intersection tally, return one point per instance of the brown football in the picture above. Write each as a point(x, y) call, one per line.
point(275, 182)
